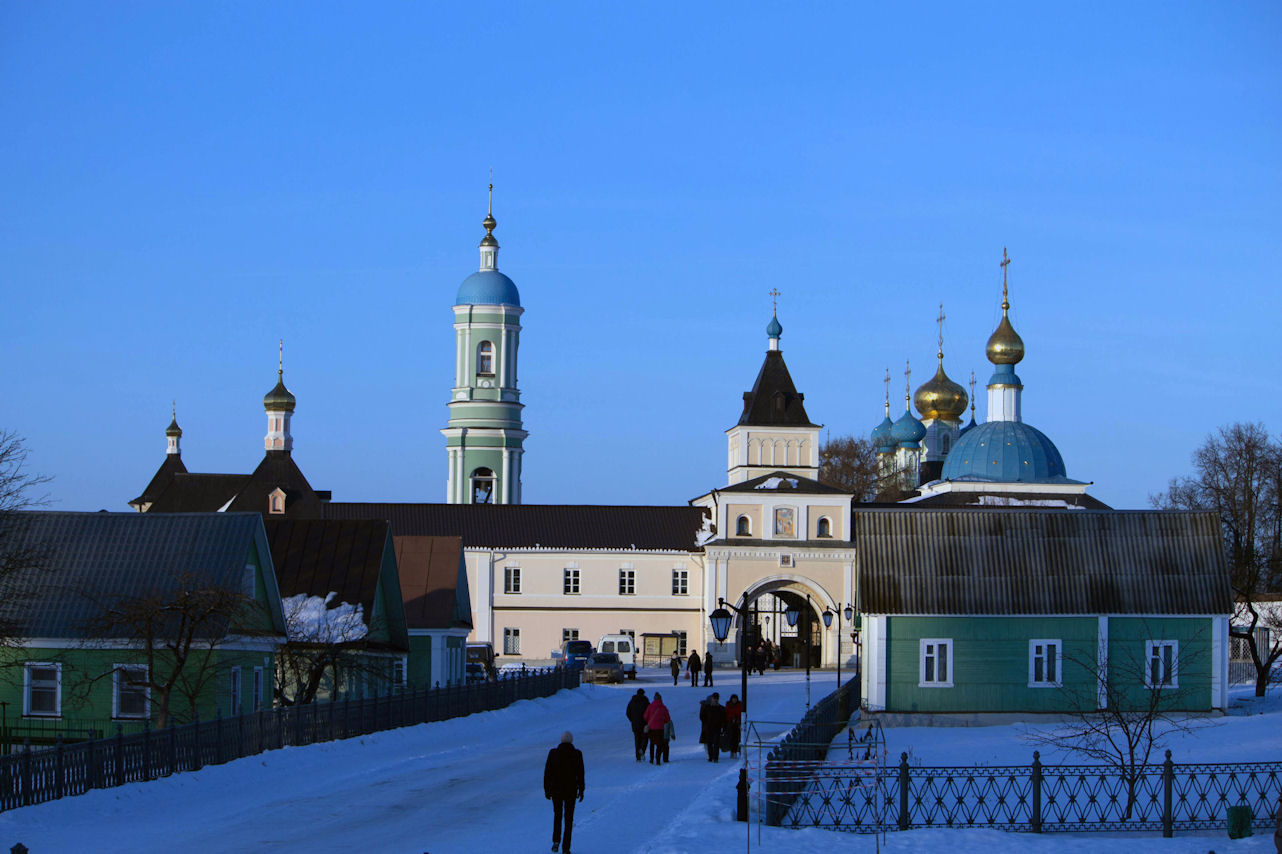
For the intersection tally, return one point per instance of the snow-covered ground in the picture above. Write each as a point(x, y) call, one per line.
point(475, 785)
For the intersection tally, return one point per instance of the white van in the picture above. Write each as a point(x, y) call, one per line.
point(625, 647)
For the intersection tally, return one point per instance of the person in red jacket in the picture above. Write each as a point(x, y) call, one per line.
point(656, 719)
point(734, 714)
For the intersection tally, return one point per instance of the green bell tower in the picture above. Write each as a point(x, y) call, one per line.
point(484, 438)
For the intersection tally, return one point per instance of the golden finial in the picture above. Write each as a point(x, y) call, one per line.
point(887, 392)
point(940, 320)
point(490, 208)
point(489, 222)
point(972, 395)
point(1005, 264)
point(280, 365)
point(908, 386)
point(173, 405)
point(775, 293)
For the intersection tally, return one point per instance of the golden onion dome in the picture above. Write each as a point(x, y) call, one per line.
point(1005, 347)
point(940, 397)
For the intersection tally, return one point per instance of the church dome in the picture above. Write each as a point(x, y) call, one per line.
point(279, 398)
point(1005, 452)
point(881, 438)
point(940, 397)
point(173, 429)
point(1005, 347)
point(908, 430)
point(775, 328)
point(488, 287)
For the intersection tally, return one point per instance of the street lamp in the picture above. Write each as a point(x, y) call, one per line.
point(827, 615)
point(792, 614)
point(721, 620)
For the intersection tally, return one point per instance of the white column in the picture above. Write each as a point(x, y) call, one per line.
point(505, 494)
point(1219, 662)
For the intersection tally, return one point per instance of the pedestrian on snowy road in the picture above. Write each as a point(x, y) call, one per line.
point(675, 664)
point(636, 716)
point(656, 720)
point(707, 670)
point(693, 666)
point(734, 718)
point(562, 782)
point(712, 720)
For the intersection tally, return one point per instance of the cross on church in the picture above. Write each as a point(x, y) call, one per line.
point(908, 383)
point(940, 320)
point(1005, 264)
point(775, 293)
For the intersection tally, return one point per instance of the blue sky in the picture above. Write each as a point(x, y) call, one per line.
point(181, 185)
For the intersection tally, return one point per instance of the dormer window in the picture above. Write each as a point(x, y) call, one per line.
point(485, 359)
point(276, 502)
point(825, 527)
point(743, 527)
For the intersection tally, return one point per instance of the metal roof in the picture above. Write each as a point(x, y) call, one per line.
point(1000, 561)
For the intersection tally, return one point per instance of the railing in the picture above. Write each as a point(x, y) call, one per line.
point(806, 743)
point(35, 776)
point(847, 794)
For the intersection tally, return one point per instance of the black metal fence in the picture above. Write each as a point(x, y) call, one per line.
point(807, 742)
point(850, 793)
point(34, 776)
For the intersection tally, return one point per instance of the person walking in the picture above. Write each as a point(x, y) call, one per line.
point(734, 717)
point(657, 720)
point(693, 666)
point(636, 716)
point(675, 664)
point(707, 670)
point(712, 719)
point(562, 783)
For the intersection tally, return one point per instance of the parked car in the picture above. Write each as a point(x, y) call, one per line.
point(575, 653)
point(603, 667)
point(481, 654)
point(625, 647)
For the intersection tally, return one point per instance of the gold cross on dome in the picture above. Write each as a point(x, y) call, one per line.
point(1005, 264)
point(775, 293)
point(908, 383)
point(940, 320)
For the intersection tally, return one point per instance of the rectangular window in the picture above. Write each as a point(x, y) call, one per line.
point(569, 635)
point(681, 643)
point(570, 583)
point(42, 694)
point(680, 582)
point(511, 579)
point(627, 582)
point(235, 690)
point(129, 691)
point(511, 641)
point(1044, 663)
point(1163, 664)
point(632, 633)
point(936, 667)
point(258, 689)
point(398, 673)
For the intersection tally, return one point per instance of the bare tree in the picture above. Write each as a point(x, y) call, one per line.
point(324, 640)
point(19, 490)
point(851, 464)
point(1238, 475)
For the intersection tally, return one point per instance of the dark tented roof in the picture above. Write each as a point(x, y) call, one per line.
point(198, 493)
point(774, 401)
point(93, 559)
point(553, 526)
point(195, 493)
point(172, 465)
point(434, 582)
point(1040, 562)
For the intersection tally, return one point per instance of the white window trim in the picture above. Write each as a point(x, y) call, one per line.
point(26, 689)
point(512, 633)
point(565, 581)
point(511, 573)
point(235, 686)
point(116, 673)
point(1174, 681)
point(258, 689)
point(630, 577)
point(1058, 681)
point(921, 662)
point(684, 576)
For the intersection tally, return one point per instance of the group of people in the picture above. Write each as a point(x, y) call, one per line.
point(652, 725)
point(765, 655)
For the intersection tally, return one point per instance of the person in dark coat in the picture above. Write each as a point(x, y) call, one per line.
point(712, 720)
point(707, 670)
point(636, 716)
point(693, 665)
point(562, 783)
point(675, 664)
point(734, 720)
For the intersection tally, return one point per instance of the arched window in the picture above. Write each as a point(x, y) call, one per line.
point(743, 528)
point(825, 527)
point(946, 443)
point(482, 486)
point(485, 358)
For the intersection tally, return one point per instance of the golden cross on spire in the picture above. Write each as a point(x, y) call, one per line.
point(174, 406)
point(1005, 264)
point(972, 395)
point(908, 385)
point(280, 367)
point(490, 208)
point(940, 321)
point(775, 293)
point(887, 391)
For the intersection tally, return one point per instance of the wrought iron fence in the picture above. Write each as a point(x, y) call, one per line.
point(807, 742)
point(853, 794)
point(34, 776)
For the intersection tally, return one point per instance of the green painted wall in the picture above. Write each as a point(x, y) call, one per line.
point(1127, 648)
point(419, 667)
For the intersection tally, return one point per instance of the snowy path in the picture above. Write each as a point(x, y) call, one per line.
point(475, 785)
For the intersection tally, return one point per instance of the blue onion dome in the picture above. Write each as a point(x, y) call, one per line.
point(940, 397)
point(881, 437)
point(487, 287)
point(908, 430)
point(279, 398)
point(1005, 452)
point(775, 329)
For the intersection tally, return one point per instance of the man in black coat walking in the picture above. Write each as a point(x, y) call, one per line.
point(694, 664)
point(562, 782)
point(636, 716)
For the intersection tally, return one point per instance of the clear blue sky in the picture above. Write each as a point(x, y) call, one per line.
point(183, 184)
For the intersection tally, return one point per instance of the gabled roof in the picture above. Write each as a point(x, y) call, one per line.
point(316, 557)
point(999, 561)
point(192, 493)
point(548, 526)
point(782, 481)
point(434, 582)
point(198, 493)
point(92, 559)
point(172, 465)
point(774, 401)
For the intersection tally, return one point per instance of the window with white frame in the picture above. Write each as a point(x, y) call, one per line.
point(399, 677)
point(1162, 670)
point(569, 635)
point(511, 641)
point(680, 582)
point(235, 691)
point(485, 359)
point(258, 689)
point(511, 579)
point(681, 642)
point(627, 582)
point(42, 689)
point(1045, 663)
point(130, 695)
point(936, 663)
point(570, 581)
point(632, 633)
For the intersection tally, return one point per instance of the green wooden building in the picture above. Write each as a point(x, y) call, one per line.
point(1055, 611)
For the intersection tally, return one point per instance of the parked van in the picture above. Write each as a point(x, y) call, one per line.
point(575, 653)
point(626, 648)
point(479, 662)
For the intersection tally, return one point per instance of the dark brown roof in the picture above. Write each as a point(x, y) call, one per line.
point(172, 465)
point(195, 493)
point(551, 526)
point(774, 401)
point(1004, 561)
point(198, 493)
point(782, 481)
point(433, 582)
point(316, 557)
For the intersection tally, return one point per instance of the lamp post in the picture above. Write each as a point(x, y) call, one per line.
point(721, 620)
point(849, 613)
point(792, 614)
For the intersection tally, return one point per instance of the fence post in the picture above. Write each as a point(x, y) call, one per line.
point(240, 735)
point(26, 772)
point(1168, 782)
point(195, 740)
point(1037, 792)
point(173, 748)
point(91, 765)
point(903, 791)
point(120, 755)
point(146, 750)
point(58, 756)
point(218, 739)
